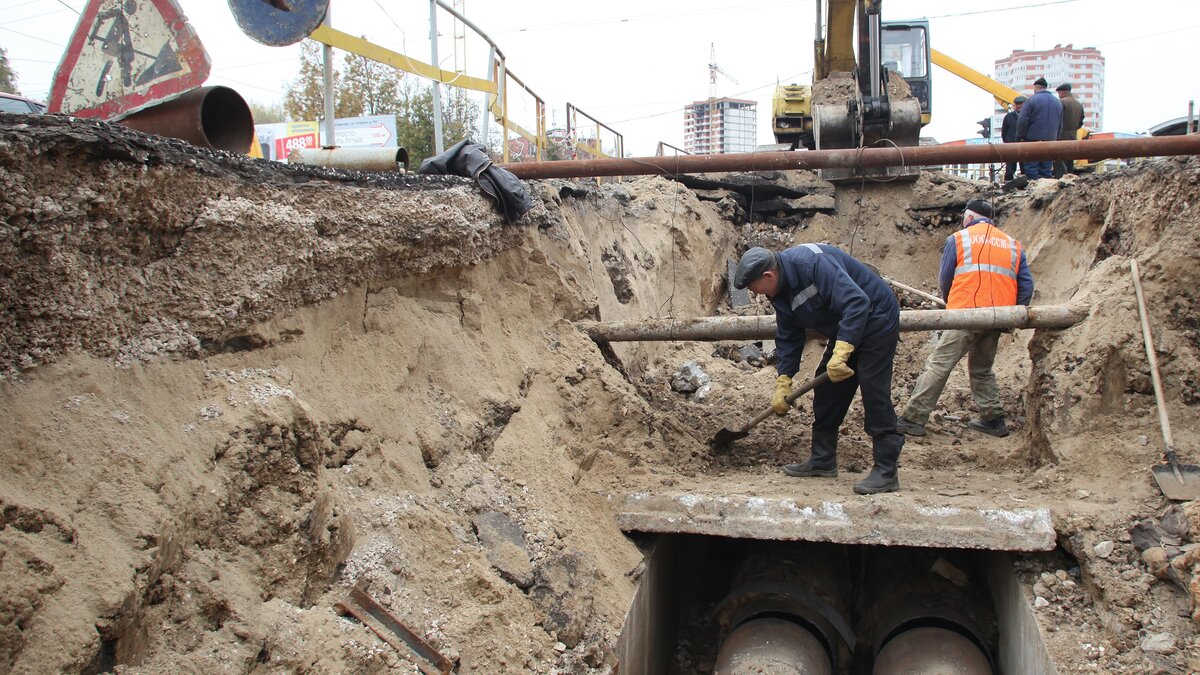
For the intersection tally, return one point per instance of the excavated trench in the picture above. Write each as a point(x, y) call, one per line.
point(234, 390)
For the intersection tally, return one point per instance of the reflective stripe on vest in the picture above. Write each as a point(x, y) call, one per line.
point(981, 277)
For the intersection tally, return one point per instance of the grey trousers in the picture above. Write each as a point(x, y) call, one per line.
point(979, 346)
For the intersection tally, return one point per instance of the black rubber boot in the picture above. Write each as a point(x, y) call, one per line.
point(995, 427)
point(823, 462)
point(883, 475)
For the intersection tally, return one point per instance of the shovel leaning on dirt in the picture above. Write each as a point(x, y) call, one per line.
point(1180, 482)
point(721, 441)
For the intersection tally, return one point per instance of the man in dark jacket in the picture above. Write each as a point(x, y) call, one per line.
point(822, 288)
point(1072, 120)
point(1008, 134)
point(1039, 120)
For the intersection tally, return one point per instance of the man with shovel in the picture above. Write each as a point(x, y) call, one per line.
point(822, 288)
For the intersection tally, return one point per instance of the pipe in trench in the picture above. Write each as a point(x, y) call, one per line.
point(772, 646)
point(762, 327)
point(210, 117)
point(856, 158)
point(930, 651)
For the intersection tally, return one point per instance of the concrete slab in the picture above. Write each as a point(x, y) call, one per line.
point(878, 521)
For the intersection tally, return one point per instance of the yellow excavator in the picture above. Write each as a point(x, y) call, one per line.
point(856, 99)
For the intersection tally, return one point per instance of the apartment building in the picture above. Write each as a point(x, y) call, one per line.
point(720, 126)
point(1083, 68)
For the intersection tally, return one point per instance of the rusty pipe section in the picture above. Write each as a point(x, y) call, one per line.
point(857, 158)
point(357, 159)
point(712, 328)
point(772, 646)
point(210, 117)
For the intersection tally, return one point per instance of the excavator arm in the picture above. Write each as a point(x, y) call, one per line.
point(1003, 94)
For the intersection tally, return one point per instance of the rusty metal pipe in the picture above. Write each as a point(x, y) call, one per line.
point(763, 327)
point(210, 117)
point(772, 646)
point(929, 155)
point(930, 651)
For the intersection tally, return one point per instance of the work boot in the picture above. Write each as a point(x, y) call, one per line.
point(883, 475)
point(909, 428)
point(995, 427)
point(823, 462)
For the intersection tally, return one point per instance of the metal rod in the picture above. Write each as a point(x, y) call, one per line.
point(762, 327)
point(915, 291)
point(330, 139)
point(438, 143)
point(854, 158)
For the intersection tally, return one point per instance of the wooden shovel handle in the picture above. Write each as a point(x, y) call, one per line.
point(1163, 421)
point(790, 398)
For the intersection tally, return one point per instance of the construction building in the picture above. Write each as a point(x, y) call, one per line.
point(720, 126)
point(1082, 68)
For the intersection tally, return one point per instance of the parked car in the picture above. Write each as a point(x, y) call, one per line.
point(11, 103)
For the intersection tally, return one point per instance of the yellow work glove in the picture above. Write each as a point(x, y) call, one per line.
point(783, 387)
point(837, 368)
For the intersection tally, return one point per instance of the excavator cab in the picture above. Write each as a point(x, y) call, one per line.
point(906, 51)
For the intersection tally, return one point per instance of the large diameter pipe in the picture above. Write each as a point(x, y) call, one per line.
point(210, 117)
point(762, 327)
point(930, 651)
point(772, 646)
point(855, 158)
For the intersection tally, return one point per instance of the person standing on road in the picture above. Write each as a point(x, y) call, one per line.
point(1072, 120)
point(821, 287)
point(1039, 120)
point(982, 266)
point(1008, 134)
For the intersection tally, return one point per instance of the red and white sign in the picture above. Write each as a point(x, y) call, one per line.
point(126, 55)
point(285, 145)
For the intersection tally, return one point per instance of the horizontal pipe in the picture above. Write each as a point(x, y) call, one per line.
point(931, 650)
point(762, 327)
point(208, 117)
point(771, 645)
point(358, 159)
point(854, 158)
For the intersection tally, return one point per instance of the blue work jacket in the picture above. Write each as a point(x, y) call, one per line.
point(824, 289)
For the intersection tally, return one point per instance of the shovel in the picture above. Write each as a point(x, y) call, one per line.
point(1180, 482)
point(724, 437)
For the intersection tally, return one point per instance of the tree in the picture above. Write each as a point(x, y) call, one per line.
point(8, 78)
point(305, 98)
point(267, 113)
point(368, 88)
point(414, 121)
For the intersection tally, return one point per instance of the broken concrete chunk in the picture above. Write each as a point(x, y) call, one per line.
point(689, 378)
point(503, 542)
point(563, 592)
point(1158, 643)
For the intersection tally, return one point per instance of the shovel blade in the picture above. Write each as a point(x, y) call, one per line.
point(725, 437)
point(1182, 487)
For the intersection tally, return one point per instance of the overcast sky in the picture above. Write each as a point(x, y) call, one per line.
point(635, 64)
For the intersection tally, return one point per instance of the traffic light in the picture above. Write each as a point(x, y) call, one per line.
point(985, 128)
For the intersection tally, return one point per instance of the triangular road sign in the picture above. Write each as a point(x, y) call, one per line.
point(127, 55)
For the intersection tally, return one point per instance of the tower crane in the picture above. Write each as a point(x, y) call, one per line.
point(713, 69)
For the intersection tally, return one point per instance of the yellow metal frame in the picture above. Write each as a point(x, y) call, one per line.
point(362, 47)
point(346, 42)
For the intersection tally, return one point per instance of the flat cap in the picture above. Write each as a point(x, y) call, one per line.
point(980, 206)
point(1020, 99)
point(1041, 82)
point(752, 265)
point(1065, 86)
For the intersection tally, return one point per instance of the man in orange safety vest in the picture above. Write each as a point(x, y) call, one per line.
point(982, 266)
